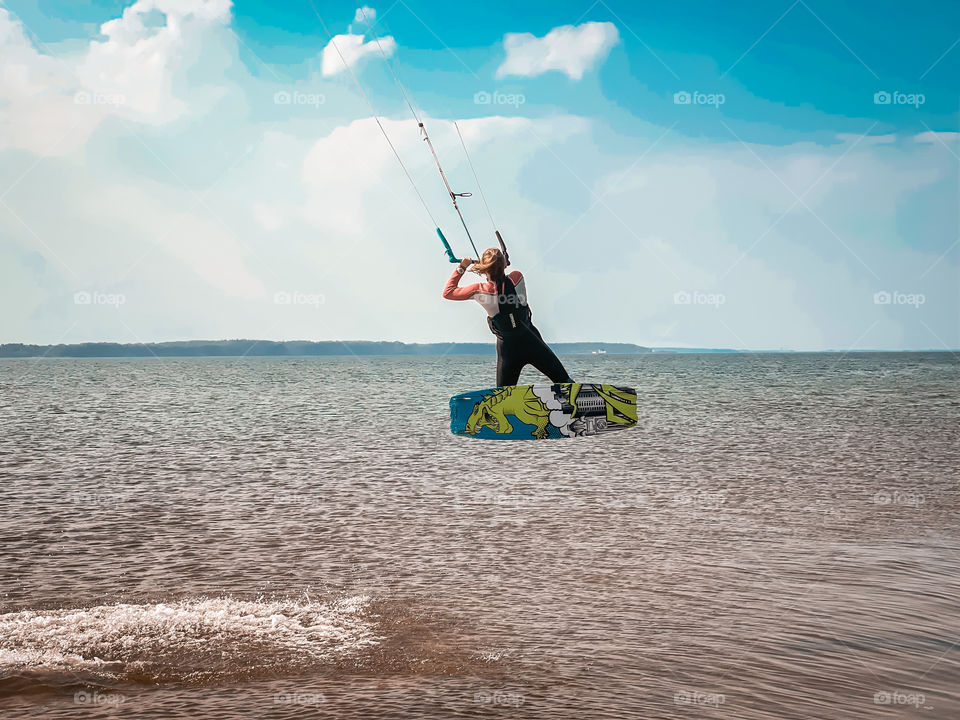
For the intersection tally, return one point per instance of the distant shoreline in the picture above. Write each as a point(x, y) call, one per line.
point(295, 348)
point(345, 348)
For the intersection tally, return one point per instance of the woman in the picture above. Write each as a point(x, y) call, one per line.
point(504, 297)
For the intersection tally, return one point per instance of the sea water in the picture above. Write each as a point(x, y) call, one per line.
point(302, 537)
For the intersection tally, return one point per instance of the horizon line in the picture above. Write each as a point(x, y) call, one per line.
point(36, 350)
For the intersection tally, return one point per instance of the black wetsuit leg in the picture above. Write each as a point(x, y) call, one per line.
point(509, 362)
point(546, 361)
point(527, 346)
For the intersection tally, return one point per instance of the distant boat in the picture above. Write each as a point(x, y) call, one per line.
point(599, 352)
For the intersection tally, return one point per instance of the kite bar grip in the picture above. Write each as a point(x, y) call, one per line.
point(503, 247)
point(446, 246)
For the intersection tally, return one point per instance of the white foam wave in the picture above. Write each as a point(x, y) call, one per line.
point(191, 639)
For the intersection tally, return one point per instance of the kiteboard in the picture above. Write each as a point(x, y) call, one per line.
point(540, 412)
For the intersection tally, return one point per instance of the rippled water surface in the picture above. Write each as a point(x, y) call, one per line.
point(224, 538)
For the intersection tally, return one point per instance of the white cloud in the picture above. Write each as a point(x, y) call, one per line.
point(352, 48)
point(718, 221)
point(138, 61)
point(37, 108)
point(200, 241)
point(353, 164)
point(888, 139)
point(932, 137)
point(51, 104)
point(365, 15)
point(568, 49)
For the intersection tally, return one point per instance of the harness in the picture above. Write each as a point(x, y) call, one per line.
point(511, 315)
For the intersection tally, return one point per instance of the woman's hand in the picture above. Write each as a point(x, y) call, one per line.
point(466, 262)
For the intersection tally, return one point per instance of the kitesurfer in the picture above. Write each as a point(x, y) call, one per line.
point(504, 297)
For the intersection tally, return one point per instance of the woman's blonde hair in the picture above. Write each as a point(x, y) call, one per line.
point(491, 264)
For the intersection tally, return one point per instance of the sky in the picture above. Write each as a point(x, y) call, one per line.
point(765, 175)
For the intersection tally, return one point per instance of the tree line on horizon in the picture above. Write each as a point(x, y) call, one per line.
point(272, 348)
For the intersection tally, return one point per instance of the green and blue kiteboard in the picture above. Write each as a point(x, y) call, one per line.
point(539, 412)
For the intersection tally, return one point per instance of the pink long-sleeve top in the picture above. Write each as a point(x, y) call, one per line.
point(484, 293)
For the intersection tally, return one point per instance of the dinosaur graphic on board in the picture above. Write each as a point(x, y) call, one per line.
point(516, 400)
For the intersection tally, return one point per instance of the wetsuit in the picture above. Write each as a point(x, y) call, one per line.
point(518, 341)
